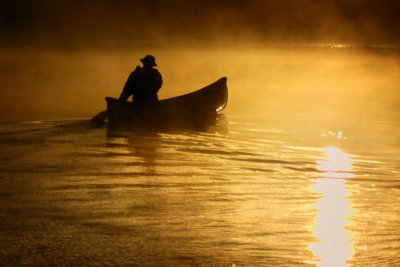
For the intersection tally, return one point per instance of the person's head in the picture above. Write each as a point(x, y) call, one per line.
point(149, 61)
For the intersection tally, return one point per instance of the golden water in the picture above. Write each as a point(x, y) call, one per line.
point(302, 169)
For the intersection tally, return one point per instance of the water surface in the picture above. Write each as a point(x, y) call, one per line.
point(249, 192)
point(307, 174)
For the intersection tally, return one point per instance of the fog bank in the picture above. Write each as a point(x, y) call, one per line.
point(52, 84)
point(105, 23)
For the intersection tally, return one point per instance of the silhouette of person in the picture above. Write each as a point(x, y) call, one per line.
point(143, 83)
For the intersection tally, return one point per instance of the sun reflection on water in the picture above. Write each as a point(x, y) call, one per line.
point(334, 247)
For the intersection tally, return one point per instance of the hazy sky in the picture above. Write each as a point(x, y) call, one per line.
point(144, 22)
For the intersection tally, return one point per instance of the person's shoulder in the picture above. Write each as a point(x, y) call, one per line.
point(156, 71)
point(137, 70)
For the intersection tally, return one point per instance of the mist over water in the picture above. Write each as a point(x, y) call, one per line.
point(274, 53)
point(49, 84)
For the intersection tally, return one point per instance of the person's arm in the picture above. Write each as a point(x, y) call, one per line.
point(127, 91)
point(158, 81)
point(125, 94)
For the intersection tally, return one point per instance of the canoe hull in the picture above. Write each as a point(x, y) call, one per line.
point(192, 110)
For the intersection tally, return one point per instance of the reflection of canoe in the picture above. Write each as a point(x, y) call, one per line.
point(193, 109)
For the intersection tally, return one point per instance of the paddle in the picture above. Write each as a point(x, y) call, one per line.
point(99, 119)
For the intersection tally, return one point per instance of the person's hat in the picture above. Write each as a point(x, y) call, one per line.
point(149, 59)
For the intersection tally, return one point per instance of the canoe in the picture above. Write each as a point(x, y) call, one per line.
point(190, 110)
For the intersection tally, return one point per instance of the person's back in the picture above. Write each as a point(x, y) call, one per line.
point(143, 83)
